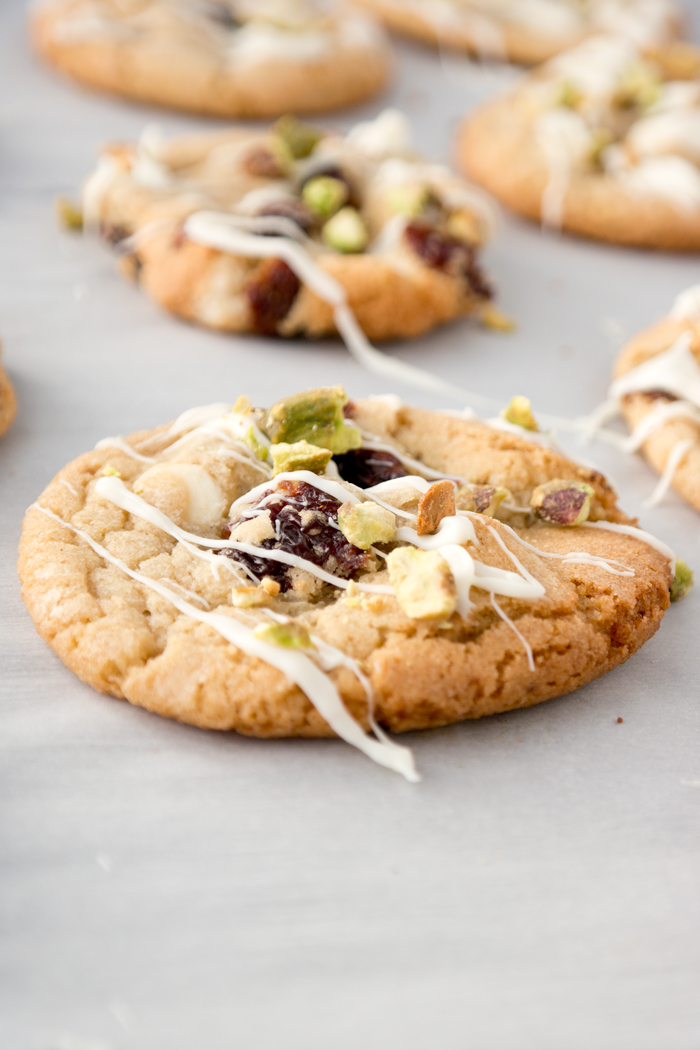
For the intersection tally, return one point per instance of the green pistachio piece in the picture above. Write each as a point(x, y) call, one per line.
point(257, 448)
point(315, 416)
point(299, 456)
point(325, 195)
point(601, 138)
point(408, 198)
point(640, 85)
point(300, 139)
point(682, 581)
point(424, 585)
point(364, 524)
point(346, 232)
point(519, 412)
point(480, 499)
point(286, 635)
point(567, 94)
point(69, 215)
point(562, 502)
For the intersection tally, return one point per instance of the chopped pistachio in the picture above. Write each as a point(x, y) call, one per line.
point(465, 226)
point(408, 198)
point(286, 635)
point(259, 450)
point(281, 154)
point(243, 405)
point(69, 214)
point(425, 588)
point(363, 524)
point(567, 95)
point(601, 138)
point(640, 85)
point(519, 412)
point(436, 503)
point(325, 195)
point(682, 581)
point(481, 499)
point(300, 455)
point(300, 138)
point(346, 231)
point(250, 597)
point(111, 472)
point(491, 317)
point(315, 416)
point(562, 502)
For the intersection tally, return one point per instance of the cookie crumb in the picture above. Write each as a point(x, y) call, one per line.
point(620, 720)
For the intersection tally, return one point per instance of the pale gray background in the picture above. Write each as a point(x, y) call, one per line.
point(170, 889)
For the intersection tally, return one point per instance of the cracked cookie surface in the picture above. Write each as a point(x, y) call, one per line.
point(127, 639)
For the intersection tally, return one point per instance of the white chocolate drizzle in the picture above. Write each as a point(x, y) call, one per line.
point(114, 490)
point(123, 446)
point(638, 534)
point(221, 231)
point(673, 462)
point(507, 620)
point(297, 667)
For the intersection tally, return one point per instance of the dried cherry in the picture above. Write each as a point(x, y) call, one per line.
point(271, 292)
point(366, 467)
point(440, 251)
point(305, 520)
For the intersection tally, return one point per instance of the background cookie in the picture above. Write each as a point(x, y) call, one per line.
point(8, 403)
point(599, 143)
point(246, 59)
point(564, 623)
point(521, 31)
point(397, 236)
point(663, 407)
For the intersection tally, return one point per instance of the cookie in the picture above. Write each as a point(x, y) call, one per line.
point(8, 403)
point(657, 390)
point(271, 231)
point(526, 31)
point(303, 570)
point(601, 142)
point(230, 58)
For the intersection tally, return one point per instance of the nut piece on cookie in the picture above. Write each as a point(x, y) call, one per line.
point(286, 635)
point(518, 411)
point(562, 502)
point(253, 597)
point(682, 581)
point(299, 456)
point(325, 195)
point(299, 138)
point(315, 416)
point(364, 524)
point(437, 503)
point(346, 232)
point(407, 198)
point(480, 499)
point(425, 588)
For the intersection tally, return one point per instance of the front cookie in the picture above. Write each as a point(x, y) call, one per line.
point(244, 58)
point(315, 567)
point(527, 31)
point(601, 142)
